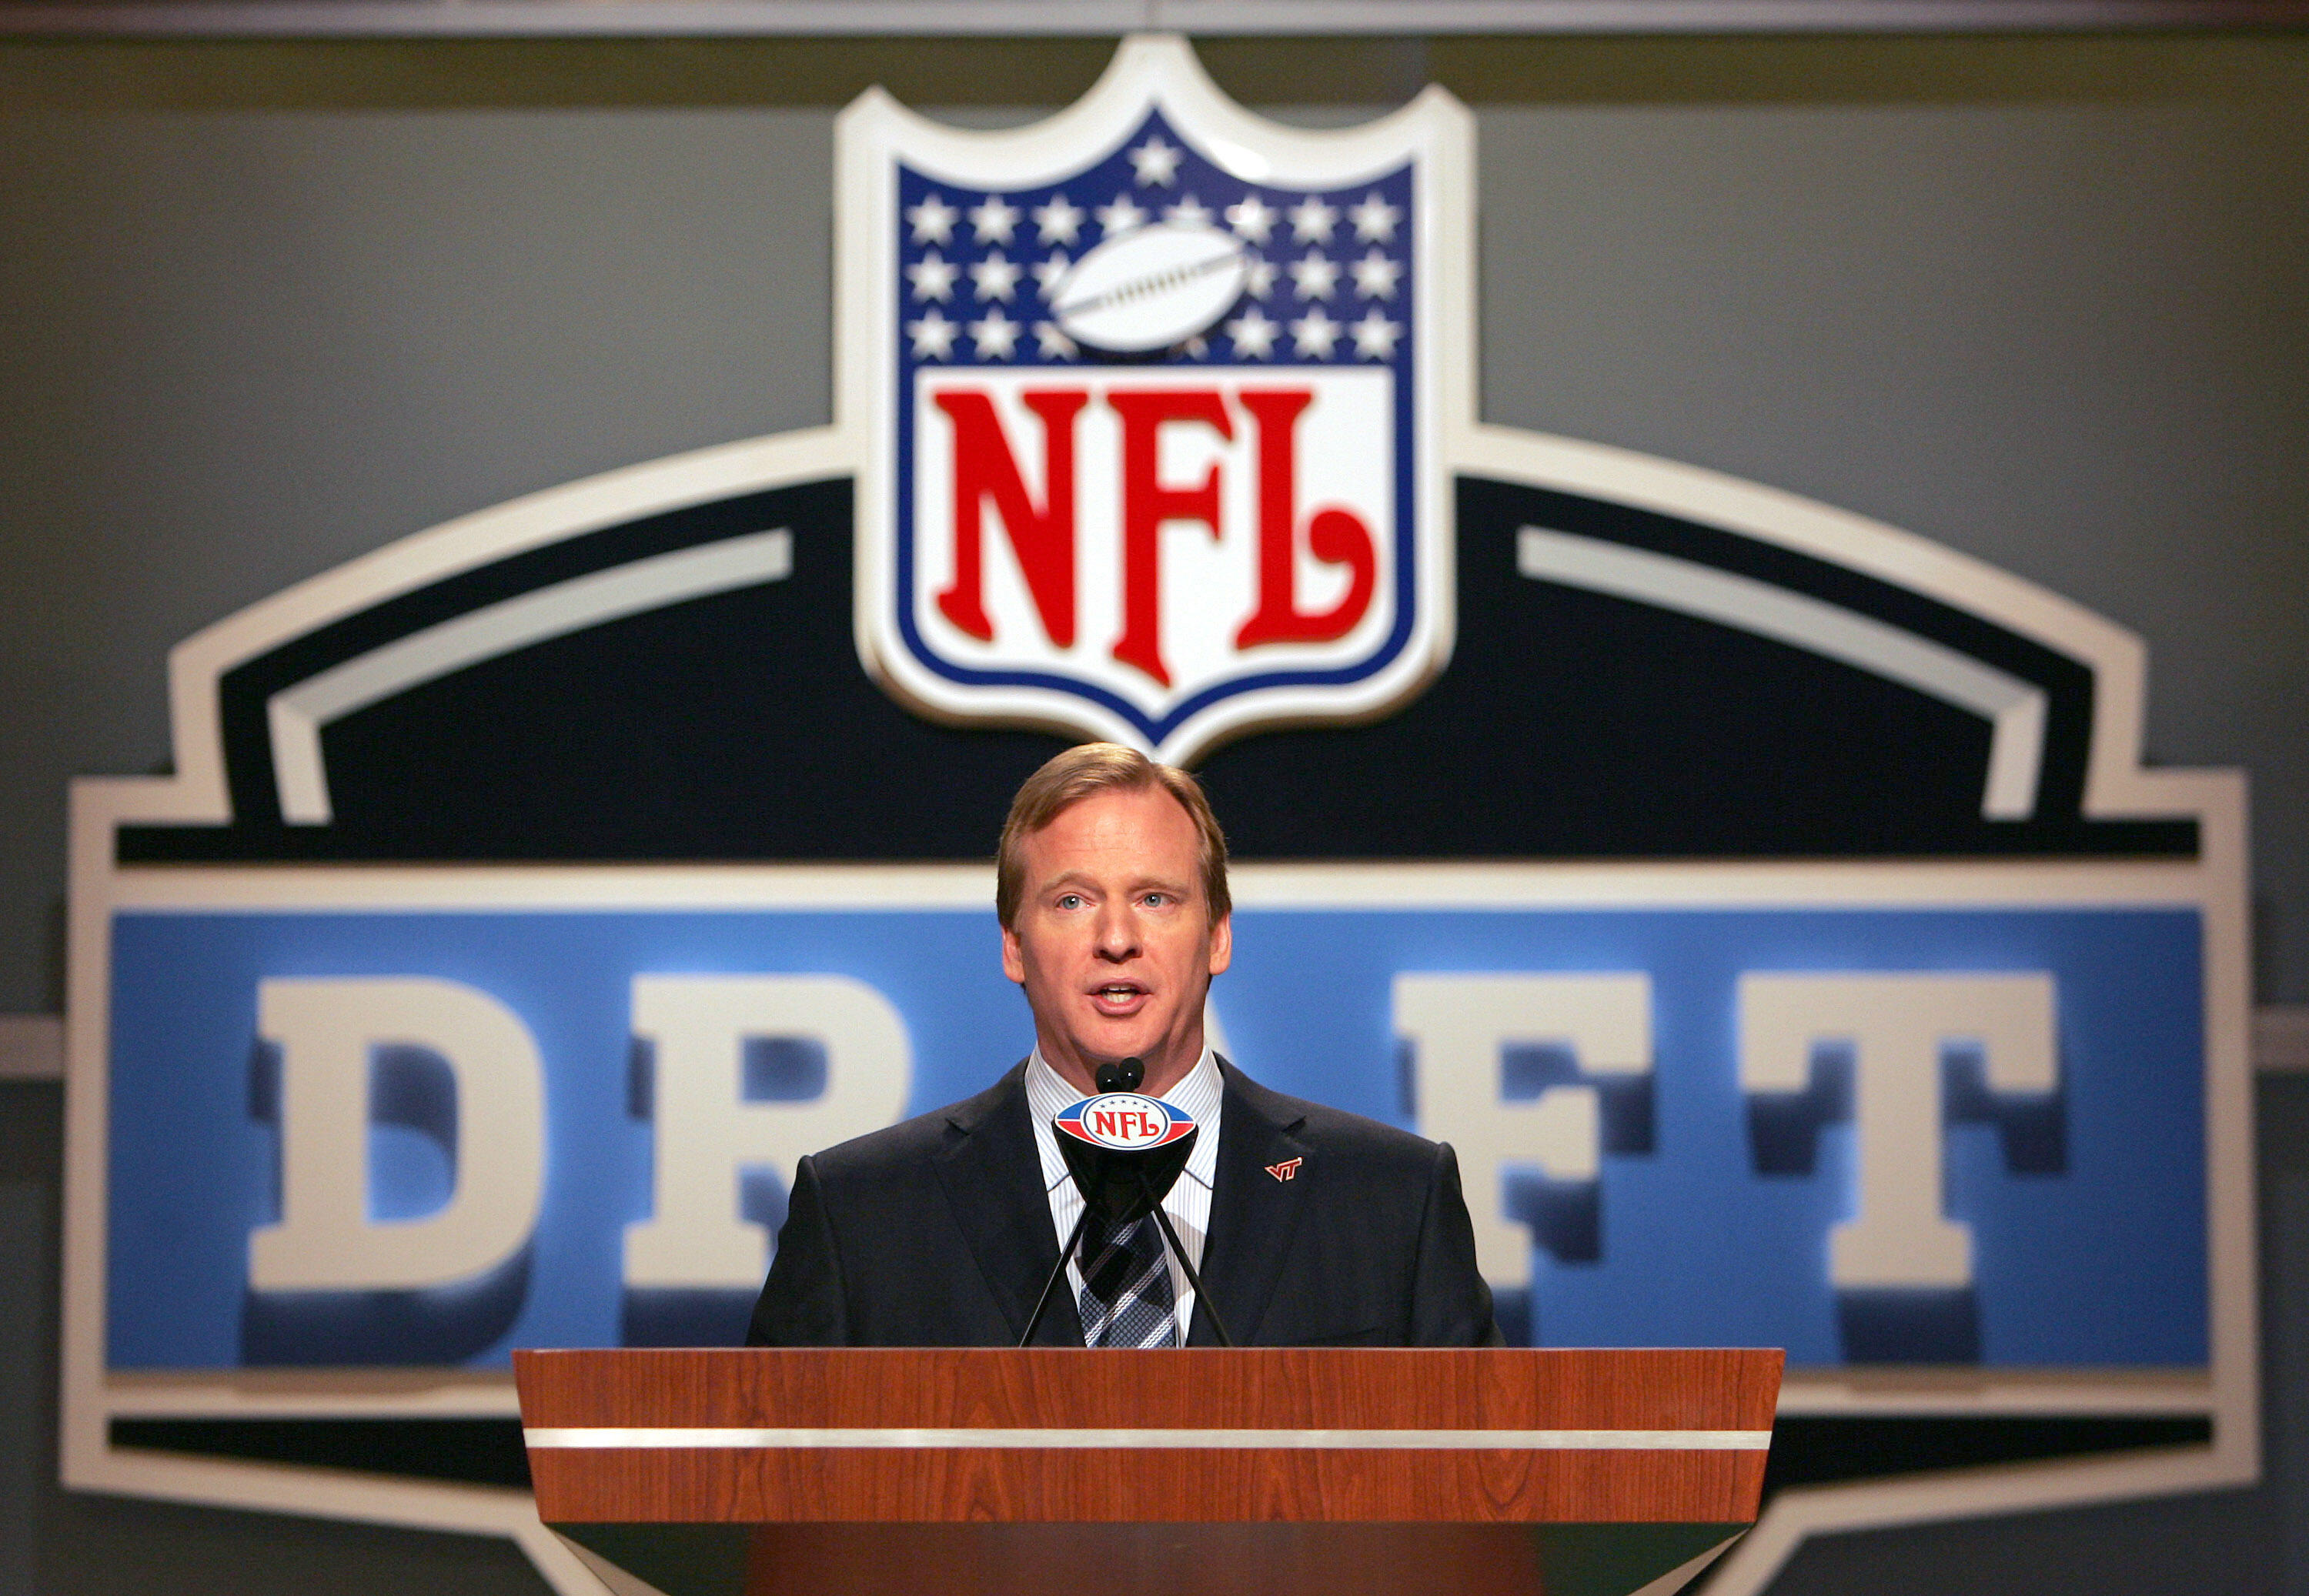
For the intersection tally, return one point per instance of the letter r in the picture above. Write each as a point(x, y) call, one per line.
point(706, 1132)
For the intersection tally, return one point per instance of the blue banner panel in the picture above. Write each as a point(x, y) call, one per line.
point(1696, 1188)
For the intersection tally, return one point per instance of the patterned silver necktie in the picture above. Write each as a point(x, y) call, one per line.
point(1126, 1295)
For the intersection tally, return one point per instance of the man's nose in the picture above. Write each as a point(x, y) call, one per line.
point(1118, 932)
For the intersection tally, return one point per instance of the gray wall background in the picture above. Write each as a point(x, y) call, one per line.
point(264, 306)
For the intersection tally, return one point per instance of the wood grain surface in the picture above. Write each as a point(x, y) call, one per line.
point(1195, 1388)
point(1295, 1389)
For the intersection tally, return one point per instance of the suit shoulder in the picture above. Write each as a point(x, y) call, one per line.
point(1332, 1127)
point(1337, 1132)
point(903, 1147)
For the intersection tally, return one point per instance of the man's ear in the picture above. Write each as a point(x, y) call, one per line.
point(1222, 945)
point(1014, 957)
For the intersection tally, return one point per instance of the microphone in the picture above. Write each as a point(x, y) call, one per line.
point(1124, 1076)
point(1125, 1153)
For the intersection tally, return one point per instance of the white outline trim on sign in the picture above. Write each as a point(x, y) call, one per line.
point(2015, 709)
point(992, 1438)
point(297, 715)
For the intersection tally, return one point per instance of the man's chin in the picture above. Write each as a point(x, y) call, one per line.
point(1112, 1045)
point(1108, 1052)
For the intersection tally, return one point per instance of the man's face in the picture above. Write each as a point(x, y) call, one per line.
point(1114, 941)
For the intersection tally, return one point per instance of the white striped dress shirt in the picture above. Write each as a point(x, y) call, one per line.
point(1188, 1206)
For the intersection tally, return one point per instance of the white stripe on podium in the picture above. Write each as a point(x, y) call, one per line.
point(1424, 1440)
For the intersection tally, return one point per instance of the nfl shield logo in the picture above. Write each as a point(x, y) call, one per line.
point(1155, 408)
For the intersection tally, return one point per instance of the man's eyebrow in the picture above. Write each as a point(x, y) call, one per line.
point(1178, 883)
point(1078, 878)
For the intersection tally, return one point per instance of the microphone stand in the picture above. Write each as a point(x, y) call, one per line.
point(1163, 1220)
point(1050, 1286)
point(1202, 1297)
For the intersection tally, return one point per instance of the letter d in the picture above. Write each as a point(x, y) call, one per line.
point(328, 1032)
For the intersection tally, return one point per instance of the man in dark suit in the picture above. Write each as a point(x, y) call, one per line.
point(1307, 1226)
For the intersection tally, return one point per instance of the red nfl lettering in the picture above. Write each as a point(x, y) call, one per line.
point(1333, 536)
point(985, 469)
point(1147, 504)
point(1043, 539)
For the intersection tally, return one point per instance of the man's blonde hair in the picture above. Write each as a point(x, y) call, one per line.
point(1084, 771)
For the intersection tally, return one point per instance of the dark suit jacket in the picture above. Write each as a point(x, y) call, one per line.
point(937, 1232)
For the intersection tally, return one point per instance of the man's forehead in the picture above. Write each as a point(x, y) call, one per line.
point(1152, 808)
point(1147, 827)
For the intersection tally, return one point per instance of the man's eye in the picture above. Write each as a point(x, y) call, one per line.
point(1156, 899)
point(1069, 899)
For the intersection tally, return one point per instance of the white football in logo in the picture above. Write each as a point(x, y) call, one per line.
point(1150, 290)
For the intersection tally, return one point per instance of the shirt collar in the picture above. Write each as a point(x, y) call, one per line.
point(1197, 1094)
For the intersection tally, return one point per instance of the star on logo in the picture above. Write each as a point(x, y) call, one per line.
point(994, 277)
point(1155, 163)
point(1311, 219)
point(1055, 345)
point(997, 336)
point(1188, 213)
point(1253, 334)
point(991, 223)
point(1058, 222)
point(1314, 333)
point(932, 277)
point(1375, 336)
point(1049, 268)
point(933, 220)
point(1259, 278)
point(1375, 218)
point(1375, 276)
point(933, 336)
point(1120, 218)
point(1315, 274)
point(1253, 218)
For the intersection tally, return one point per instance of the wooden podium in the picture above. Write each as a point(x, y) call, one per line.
point(1339, 1472)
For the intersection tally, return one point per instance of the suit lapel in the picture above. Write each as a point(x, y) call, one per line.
point(992, 1177)
point(1252, 1212)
